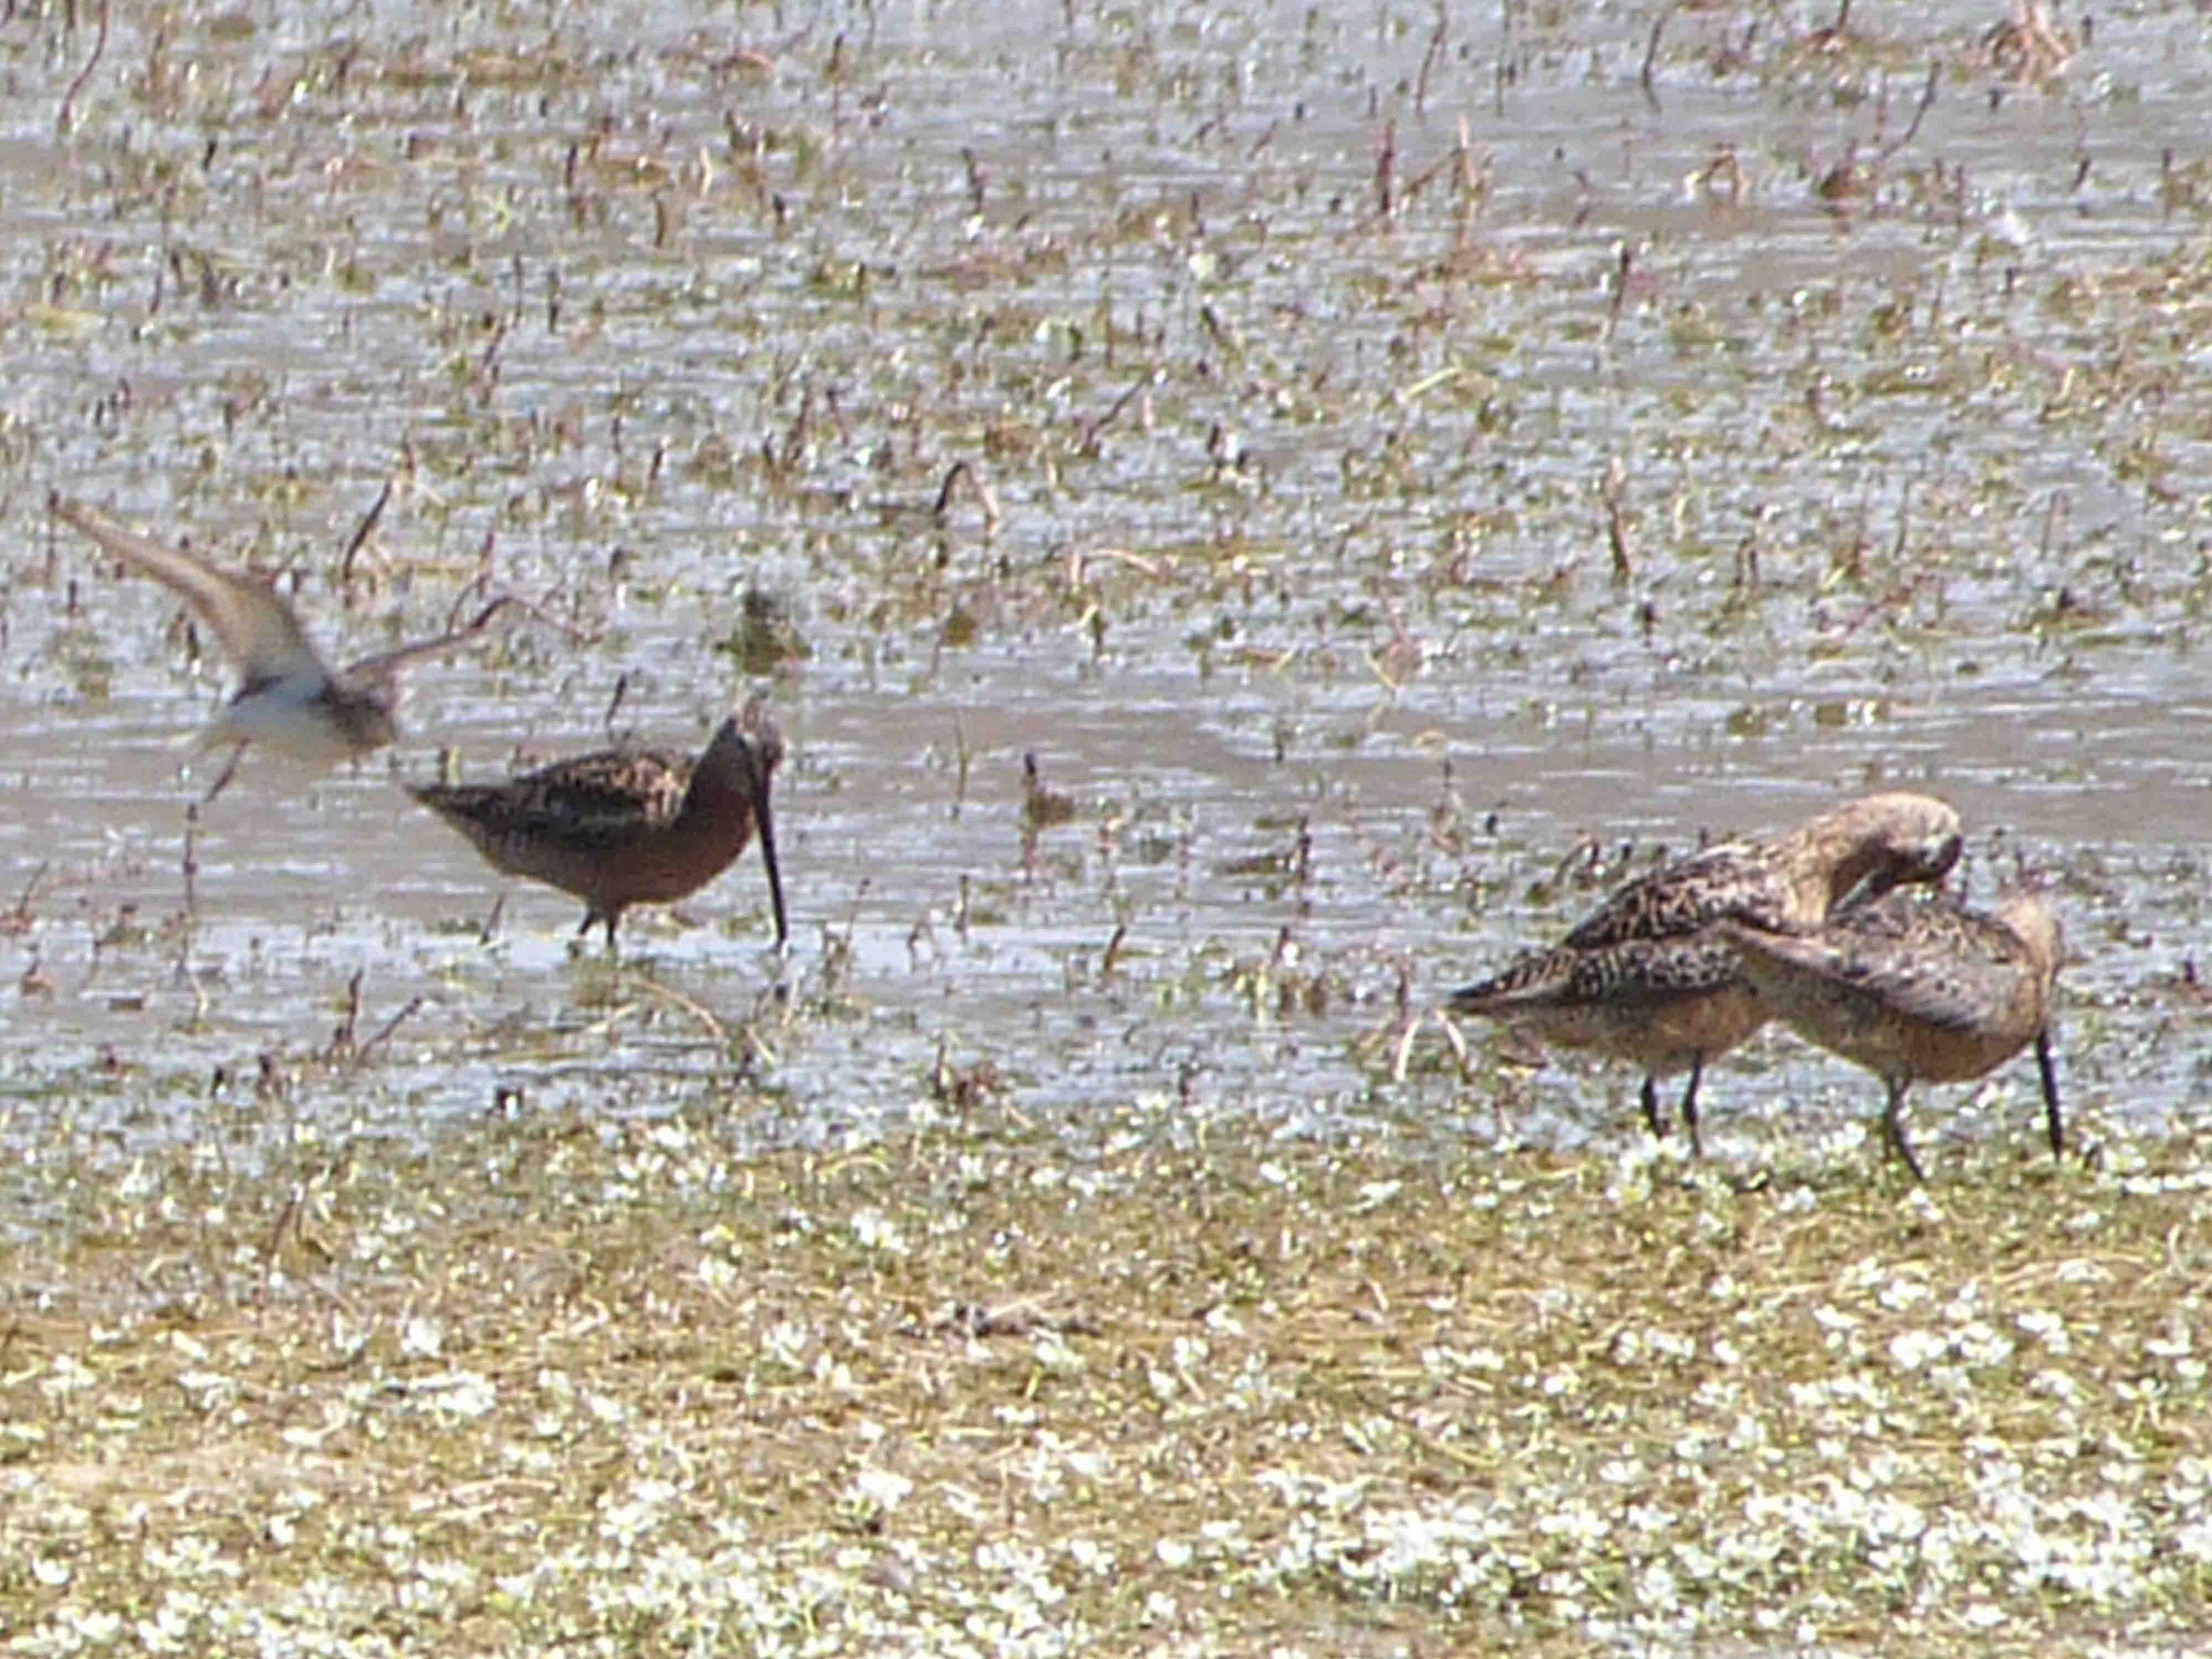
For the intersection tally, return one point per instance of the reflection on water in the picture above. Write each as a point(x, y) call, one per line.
point(1299, 574)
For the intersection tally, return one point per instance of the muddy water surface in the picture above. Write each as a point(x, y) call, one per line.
point(1428, 473)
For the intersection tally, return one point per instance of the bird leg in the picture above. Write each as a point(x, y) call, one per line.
point(1894, 1128)
point(191, 858)
point(1689, 1105)
point(1652, 1119)
point(2044, 1064)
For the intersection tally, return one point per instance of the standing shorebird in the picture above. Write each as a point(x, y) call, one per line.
point(629, 826)
point(1645, 978)
point(1916, 991)
point(289, 698)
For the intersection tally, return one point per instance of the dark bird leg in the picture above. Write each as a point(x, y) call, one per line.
point(2044, 1064)
point(1689, 1105)
point(1893, 1127)
point(593, 918)
point(191, 858)
point(230, 771)
point(1653, 1120)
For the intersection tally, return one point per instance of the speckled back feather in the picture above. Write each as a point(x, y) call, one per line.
point(1647, 941)
point(1733, 879)
point(1790, 881)
point(591, 803)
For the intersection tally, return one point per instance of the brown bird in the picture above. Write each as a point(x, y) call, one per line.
point(1916, 991)
point(289, 698)
point(1645, 978)
point(630, 826)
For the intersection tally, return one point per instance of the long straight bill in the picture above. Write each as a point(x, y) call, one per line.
point(763, 821)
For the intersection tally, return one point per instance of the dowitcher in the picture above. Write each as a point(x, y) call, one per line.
point(289, 699)
point(1916, 991)
point(627, 825)
point(1645, 978)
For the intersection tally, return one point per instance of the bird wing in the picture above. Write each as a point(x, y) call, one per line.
point(587, 804)
point(1930, 963)
point(381, 668)
point(256, 628)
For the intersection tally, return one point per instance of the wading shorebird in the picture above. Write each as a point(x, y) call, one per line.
point(1916, 991)
point(1644, 977)
point(629, 826)
point(289, 699)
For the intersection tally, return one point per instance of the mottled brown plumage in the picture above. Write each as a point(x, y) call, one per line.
point(288, 697)
point(630, 826)
point(1916, 990)
point(1644, 978)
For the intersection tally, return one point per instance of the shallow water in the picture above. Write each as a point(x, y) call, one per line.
point(1301, 532)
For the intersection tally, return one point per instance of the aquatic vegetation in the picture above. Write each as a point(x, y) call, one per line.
point(562, 1380)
